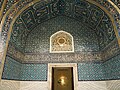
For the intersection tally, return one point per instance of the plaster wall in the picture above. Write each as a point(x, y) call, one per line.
point(38, 85)
point(113, 85)
point(9, 85)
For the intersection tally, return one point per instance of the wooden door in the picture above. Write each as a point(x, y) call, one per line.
point(62, 78)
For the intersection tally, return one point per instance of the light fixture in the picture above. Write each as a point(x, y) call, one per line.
point(62, 80)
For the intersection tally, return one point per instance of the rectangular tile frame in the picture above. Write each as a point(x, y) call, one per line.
point(75, 76)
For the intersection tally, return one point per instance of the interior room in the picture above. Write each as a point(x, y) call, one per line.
point(60, 45)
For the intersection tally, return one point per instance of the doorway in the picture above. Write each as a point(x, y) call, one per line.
point(62, 78)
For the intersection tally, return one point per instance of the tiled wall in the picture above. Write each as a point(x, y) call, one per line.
point(82, 16)
point(18, 71)
point(34, 72)
point(112, 68)
point(86, 71)
point(38, 40)
point(86, 40)
point(90, 71)
point(12, 69)
point(108, 70)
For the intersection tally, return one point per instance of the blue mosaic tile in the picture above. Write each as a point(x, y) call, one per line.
point(38, 40)
point(80, 10)
point(116, 2)
point(12, 69)
point(112, 68)
point(90, 15)
point(90, 71)
point(17, 71)
point(86, 71)
point(34, 72)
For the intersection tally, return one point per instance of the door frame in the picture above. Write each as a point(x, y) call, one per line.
point(75, 73)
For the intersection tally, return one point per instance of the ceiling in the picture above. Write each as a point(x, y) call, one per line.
point(88, 14)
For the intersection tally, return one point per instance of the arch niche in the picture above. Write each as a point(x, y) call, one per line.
point(61, 42)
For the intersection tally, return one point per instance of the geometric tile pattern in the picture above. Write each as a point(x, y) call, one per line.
point(38, 40)
point(17, 55)
point(38, 57)
point(52, 58)
point(112, 68)
point(116, 2)
point(34, 72)
point(90, 71)
point(12, 69)
point(107, 70)
point(18, 71)
point(87, 71)
point(111, 50)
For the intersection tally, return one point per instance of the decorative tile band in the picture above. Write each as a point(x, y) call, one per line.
point(113, 12)
point(86, 71)
point(110, 51)
point(116, 2)
point(1, 2)
point(62, 58)
point(13, 52)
